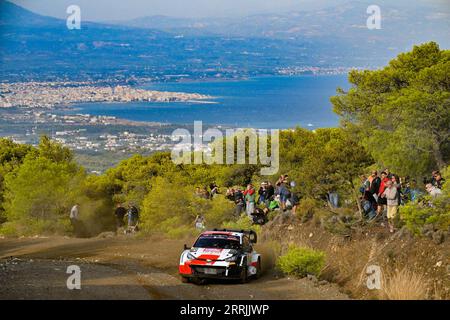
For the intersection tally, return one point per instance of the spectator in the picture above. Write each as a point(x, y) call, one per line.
point(365, 184)
point(390, 193)
point(274, 203)
point(414, 192)
point(262, 192)
point(270, 192)
point(375, 182)
point(250, 197)
point(239, 201)
point(388, 173)
point(333, 199)
point(295, 201)
point(198, 192)
point(75, 218)
point(230, 194)
point(283, 179)
point(284, 194)
point(133, 218)
point(437, 180)
point(382, 200)
point(396, 183)
point(259, 216)
point(205, 193)
point(120, 213)
point(433, 191)
point(214, 189)
point(200, 222)
point(368, 204)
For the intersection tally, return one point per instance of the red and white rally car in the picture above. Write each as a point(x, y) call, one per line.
point(221, 254)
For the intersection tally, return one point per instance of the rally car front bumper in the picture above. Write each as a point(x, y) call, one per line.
point(224, 270)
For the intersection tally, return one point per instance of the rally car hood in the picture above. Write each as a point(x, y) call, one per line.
point(212, 254)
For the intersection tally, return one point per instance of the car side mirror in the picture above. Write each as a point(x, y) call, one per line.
point(186, 247)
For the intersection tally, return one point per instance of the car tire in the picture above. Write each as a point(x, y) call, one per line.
point(258, 269)
point(244, 272)
point(201, 281)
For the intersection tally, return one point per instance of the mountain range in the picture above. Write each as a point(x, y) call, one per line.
point(36, 47)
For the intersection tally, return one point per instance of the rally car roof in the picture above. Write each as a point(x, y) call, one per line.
point(230, 232)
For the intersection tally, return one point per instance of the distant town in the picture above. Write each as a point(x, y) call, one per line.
point(31, 109)
point(51, 94)
point(308, 70)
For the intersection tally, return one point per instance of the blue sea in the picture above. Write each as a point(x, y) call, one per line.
point(263, 102)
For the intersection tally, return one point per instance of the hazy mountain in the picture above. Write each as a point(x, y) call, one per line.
point(407, 23)
point(37, 47)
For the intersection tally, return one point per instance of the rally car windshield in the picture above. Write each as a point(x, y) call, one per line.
point(217, 242)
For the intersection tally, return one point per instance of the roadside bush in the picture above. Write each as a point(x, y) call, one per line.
point(218, 211)
point(300, 262)
point(429, 211)
point(307, 208)
point(39, 195)
point(243, 223)
point(172, 206)
point(182, 232)
point(166, 207)
point(35, 226)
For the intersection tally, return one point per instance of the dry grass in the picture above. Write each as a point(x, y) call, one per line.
point(348, 259)
point(403, 285)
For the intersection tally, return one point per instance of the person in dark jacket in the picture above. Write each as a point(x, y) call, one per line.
point(375, 184)
point(133, 218)
point(239, 201)
point(120, 213)
point(270, 193)
point(262, 193)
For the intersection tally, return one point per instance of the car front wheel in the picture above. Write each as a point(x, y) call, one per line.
point(258, 269)
point(244, 272)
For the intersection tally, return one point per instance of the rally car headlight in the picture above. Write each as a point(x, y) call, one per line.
point(232, 258)
point(190, 256)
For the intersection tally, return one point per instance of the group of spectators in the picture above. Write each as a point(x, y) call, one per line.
point(381, 196)
point(131, 214)
point(384, 193)
point(204, 193)
point(257, 203)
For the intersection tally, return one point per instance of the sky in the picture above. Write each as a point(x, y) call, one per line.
point(109, 10)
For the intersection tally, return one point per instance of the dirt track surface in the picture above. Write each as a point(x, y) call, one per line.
point(127, 268)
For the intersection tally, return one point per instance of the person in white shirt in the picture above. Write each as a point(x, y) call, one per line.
point(74, 217)
point(433, 191)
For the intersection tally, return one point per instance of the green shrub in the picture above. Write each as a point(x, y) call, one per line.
point(416, 215)
point(243, 223)
point(40, 192)
point(34, 226)
point(218, 211)
point(9, 229)
point(301, 261)
point(429, 211)
point(272, 214)
point(307, 208)
point(170, 207)
point(182, 232)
